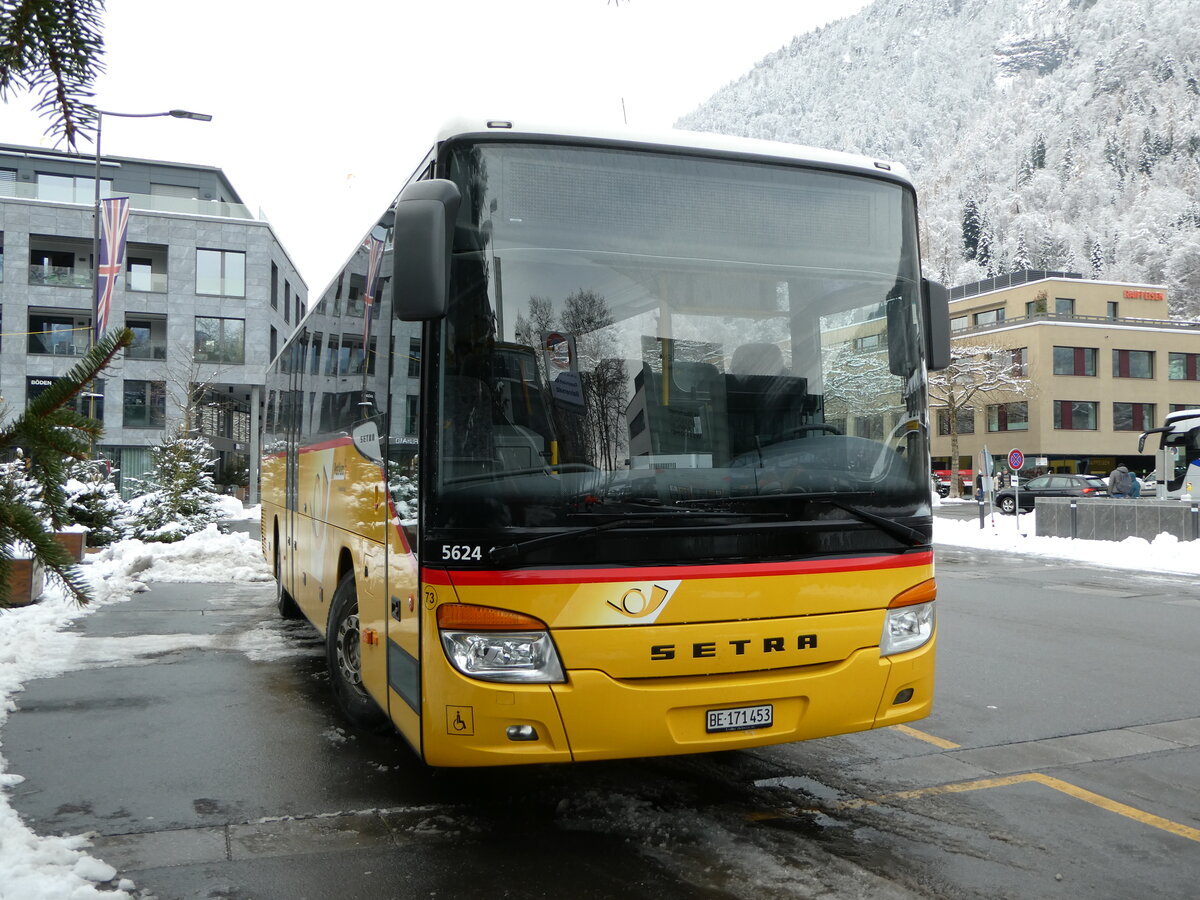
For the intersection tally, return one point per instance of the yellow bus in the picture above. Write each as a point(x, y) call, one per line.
point(608, 445)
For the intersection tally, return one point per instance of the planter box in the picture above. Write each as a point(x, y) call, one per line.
point(75, 543)
point(27, 582)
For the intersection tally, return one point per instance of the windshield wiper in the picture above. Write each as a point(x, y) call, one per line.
point(898, 530)
point(508, 552)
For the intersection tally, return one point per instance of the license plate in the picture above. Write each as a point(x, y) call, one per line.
point(741, 718)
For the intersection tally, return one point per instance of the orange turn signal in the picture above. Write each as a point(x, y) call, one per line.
point(918, 593)
point(468, 617)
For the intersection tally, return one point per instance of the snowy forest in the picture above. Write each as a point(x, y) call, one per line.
point(1045, 134)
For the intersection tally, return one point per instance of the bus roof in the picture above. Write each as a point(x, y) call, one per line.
point(510, 129)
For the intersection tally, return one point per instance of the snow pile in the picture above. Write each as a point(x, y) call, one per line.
point(1166, 553)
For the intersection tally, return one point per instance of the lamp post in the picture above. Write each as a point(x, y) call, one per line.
point(100, 114)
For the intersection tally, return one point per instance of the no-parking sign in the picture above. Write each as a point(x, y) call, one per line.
point(1016, 460)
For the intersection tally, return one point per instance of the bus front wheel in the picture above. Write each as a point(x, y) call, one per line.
point(344, 658)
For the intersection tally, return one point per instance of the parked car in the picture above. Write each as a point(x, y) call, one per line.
point(941, 485)
point(1051, 486)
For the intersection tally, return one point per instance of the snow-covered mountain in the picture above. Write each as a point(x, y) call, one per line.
point(1050, 134)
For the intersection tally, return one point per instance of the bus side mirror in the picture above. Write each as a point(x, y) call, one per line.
point(421, 242)
point(935, 307)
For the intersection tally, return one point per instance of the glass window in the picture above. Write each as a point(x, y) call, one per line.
point(314, 364)
point(1036, 307)
point(414, 357)
point(1114, 309)
point(1133, 363)
point(990, 317)
point(145, 404)
point(1020, 361)
point(1183, 367)
point(88, 402)
point(960, 323)
point(70, 189)
point(411, 410)
point(149, 337)
point(57, 334)
point(1075, 360)
point(1133, 416)
point(274, 286)
point(221, 273)
point(1008, 416)
point(1064, 306)
point(965, 417)
point(1075, 415)
point(220, 340)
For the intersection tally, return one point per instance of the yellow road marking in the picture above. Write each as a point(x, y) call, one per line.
point(928, 738)
point(1129, 812)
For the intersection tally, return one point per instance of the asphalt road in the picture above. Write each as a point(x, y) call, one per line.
point(198, 740)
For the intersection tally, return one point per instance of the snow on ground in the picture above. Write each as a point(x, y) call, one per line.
point(35, 643)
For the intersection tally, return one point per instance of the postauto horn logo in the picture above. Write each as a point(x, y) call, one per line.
point(640, 603)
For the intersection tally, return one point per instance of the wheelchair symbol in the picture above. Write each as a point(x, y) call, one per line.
point(460, 720)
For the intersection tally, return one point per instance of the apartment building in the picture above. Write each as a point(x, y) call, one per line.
point(209, 293)
point(1104, 360)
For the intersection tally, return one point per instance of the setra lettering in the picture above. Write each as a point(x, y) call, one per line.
point(712, 650)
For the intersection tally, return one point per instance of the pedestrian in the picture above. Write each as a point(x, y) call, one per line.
point(1135, 486)
point(1120, 482)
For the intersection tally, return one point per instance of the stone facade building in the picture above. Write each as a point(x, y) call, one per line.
point(209, 292)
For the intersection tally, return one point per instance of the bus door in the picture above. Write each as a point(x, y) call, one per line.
point(293, 429)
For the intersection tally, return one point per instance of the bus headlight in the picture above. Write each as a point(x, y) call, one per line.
point(910, 619)
point(498, 645)
point(906, 629)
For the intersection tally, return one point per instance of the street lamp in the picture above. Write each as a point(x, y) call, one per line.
point(100, 114)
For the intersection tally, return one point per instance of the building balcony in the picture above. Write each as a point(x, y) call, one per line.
point(146, 351)
point(146, 202)
point(1173, 324)
point(60, 276)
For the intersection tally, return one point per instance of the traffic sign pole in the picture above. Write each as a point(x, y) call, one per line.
point(1016, 462)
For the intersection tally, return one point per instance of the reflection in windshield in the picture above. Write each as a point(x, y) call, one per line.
point(631, 330)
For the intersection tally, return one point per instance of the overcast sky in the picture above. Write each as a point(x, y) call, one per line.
point(318, 120)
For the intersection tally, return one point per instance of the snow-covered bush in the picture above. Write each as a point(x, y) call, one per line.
point(179, 496)
point(93, 501)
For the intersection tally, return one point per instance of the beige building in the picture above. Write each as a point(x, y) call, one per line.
point(1104, 360)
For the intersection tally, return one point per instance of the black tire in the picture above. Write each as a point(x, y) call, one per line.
point(1008, 505)
point(343, 656)
point(284, 602)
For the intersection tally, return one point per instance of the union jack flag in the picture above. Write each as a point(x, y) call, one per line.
point(374, 258)
point(114, 225)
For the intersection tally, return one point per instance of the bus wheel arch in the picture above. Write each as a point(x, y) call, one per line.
point(343, 658)
point(284, 601)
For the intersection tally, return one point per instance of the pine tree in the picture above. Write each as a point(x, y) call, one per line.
point(971, 226)
point(44, 438)
point(182, 497)
point(53, 49)
point(93, 501)
point(1097, 256)
point(1021, 260)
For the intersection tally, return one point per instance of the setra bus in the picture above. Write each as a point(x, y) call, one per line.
point(1178, 457)
point(607, 445)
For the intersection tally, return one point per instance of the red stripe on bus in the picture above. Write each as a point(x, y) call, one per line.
point(327, 445)
point(671, 573)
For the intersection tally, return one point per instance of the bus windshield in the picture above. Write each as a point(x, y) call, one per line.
point(724, 350)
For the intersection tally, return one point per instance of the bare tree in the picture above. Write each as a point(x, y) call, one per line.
point(976, 372)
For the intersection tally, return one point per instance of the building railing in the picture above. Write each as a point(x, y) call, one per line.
point(60, 276)
point(146, 351)
point(1010, 279)
point(25, 190)
point(1175, 324)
